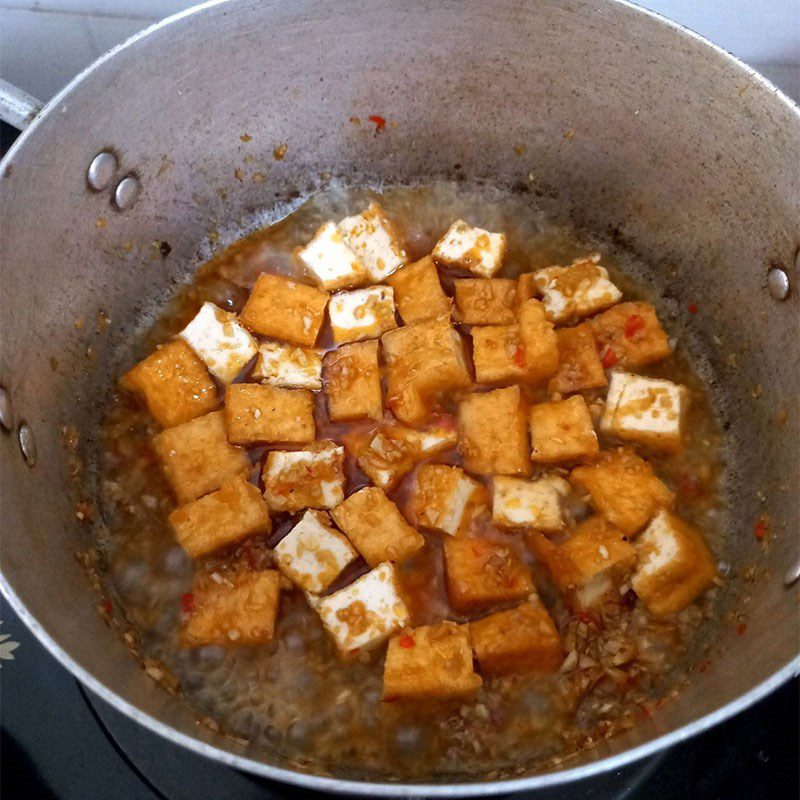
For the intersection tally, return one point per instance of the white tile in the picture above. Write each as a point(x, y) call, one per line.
point(107, 32)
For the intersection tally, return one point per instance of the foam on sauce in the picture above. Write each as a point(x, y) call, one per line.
point(294, 695)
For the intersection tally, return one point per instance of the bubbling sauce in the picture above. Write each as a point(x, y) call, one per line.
point(295, 695)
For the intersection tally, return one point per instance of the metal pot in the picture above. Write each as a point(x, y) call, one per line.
point(679, 153)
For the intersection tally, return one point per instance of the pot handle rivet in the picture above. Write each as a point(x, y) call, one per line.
point(101, 171)
point(793, 574)
point(6, 410)
point(778, 283)
point(127, 192)
point(27, 443)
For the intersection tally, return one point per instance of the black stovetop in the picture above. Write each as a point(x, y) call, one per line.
point(60, 741)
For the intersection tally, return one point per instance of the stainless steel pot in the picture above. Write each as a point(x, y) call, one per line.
point(680, 154)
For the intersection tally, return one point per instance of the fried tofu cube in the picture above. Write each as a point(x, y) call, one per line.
point(594, 561)
point(329, 262)
point(473, 249)
point(674, 565)
point(492, 433)
point(562, 431)
point(540, 341)
point(480, 573)
point(485, 301)
point(623, 489)
point(433, 662)
point(174, 384)
point(353, 382)
point(236, 609)
point(390, 452)
point(441, 498)
point(374, 524)
point(256, 414)
point(221, 341)
point(372, 237)
point(285, 309)
point(521, 503)
point(366, 612)
point(362, 314)
point(313, 553)
point(418, 293)
point(526, 287)
point(633, 333)
point(232, 513)
point(579, 365)
point(520, 640)
point(288, 366)
point(197, 457)
point(309, 478)
point(573, 292)
point(422, 360)
point(648, 411)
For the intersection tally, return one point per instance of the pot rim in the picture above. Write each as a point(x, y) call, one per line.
point(346, 786)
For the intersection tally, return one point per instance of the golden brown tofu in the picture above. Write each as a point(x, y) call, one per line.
point(593, 562)
point(422, 360)
point(493, 436)
point(480, 573)
point(623, 489)
point(633, 333)
point(239, 608)
point(579, 366)
point(674, 565)
point(441, 498)
point(308, 478)
point(433, 662)
point(197, 457)
point(526, 287)
point(418, 294)
point(498, 354)
point(174, 383)
point(373, 523)
point(256, 414)
point(522, 639)
point(485, 301)
point(562, 431)
point(353, 382)
point(232, 513)
point(284, 309)
point(539, 340)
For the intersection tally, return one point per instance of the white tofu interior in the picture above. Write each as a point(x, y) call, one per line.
point(366, 612)
point(281, 466)
point(367, 235)
point(313, 553)
point(475, 249)
point(645, 409)
point(455, 504)
point(330, 261)
point(660, 545)
point(520, 503)
point(220, 340)
point(360, 314)
point(564, 296)
point(289, 366)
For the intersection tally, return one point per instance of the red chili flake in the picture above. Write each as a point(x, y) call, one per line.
point(688, 485)
point(407, 641)
point(761, 528)
point(391, 699)
point(741, 628)
point(187, 603)
point(519, 357)
point(705, 665)
point(692, 308)
point(609, 359)
point(645, 710)
point(633, 325)
point(585, 616)
point(106, 606)
point(380, 122)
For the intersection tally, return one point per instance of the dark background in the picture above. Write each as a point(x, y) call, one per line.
point(61, 742)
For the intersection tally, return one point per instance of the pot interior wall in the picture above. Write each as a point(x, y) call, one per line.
point(632, 131)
